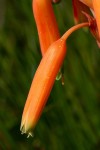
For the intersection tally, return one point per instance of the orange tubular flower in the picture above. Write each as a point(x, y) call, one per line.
point(42, 84)
point(43, 81)
point(46, 23)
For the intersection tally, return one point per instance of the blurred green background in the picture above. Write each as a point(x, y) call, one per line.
point(71, 118)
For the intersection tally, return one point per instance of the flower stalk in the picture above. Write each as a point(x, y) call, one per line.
point(74, 28)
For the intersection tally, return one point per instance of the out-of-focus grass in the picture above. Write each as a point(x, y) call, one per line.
point(71, 118)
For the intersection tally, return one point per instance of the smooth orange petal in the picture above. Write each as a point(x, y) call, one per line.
point(46, 23)
point(96, 6)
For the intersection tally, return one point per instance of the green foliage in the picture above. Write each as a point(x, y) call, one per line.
point(71, 118)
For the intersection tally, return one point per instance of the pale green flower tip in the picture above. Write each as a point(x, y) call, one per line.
point(30, 134)
point(24, 131)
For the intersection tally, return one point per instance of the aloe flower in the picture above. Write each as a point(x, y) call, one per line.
point(53, 49)
point(43, 81)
